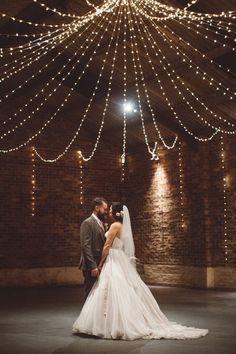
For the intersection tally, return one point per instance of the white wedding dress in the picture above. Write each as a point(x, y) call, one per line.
point(121, 306)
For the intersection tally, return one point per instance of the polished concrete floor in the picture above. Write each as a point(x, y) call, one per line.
point(39, 320)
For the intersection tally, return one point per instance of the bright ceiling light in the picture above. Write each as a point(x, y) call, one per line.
point(129, 107)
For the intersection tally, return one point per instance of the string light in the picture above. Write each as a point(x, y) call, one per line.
point(169, 12)
point(180, 39)
point(60, 107)
point(26, 63)
point(207, 36)
point(189, 4)
point(222, 155)
point(160, 84)
point(173, 82)
point(151, 150)
point(87, 158)
point(194, 67)
point(133, 40)
point(81, 174)
point(33, 182)
point(53, 91)
point(105, 7)
point(181, 185)
point(88, 107)
point(123, 156)
point(48, 83)
point(13, 18)
point(122, 162)
point(151, 21)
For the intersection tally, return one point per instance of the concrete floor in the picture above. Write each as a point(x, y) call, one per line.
point(39, 321)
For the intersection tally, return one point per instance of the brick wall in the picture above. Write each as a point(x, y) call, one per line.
point(45, 248)
point(51, 237)
point(169, 252)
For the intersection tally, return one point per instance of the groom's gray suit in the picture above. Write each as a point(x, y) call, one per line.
point(92, 239)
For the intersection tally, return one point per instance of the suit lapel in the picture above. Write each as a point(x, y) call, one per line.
point(98, 227)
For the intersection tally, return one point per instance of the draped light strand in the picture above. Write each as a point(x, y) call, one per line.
point(132, 33)
point(142, 12)
point(135, 58)
point(173, 81)
point(61, 105)
point(40, 52)
point(33, 182)
point(225, 212)
point(46, 38)
point(147, 24)
point(89, 157)
point(219, 86)
point(40, 71)
point(123, 156)
point(164, 93)
point(107, 6)
point(81, 175)
point(160, 6)
point(140, 8)
point(214, 27)
point(86, 111)
point(169, 12)
point(88, 42)
point(13, 18)
point(211, 39)
point(204, 56)
point(25, 35)
point(181, 185)
point(189, 4)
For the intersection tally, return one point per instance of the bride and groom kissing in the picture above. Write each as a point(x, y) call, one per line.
point(118, 304)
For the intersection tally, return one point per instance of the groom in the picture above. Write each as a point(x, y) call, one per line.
point(92, 239)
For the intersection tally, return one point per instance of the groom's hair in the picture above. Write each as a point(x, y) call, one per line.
point(98, 201)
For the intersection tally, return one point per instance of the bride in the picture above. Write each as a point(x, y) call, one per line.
point(120, 305)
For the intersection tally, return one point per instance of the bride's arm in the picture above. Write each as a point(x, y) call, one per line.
point(113, 231)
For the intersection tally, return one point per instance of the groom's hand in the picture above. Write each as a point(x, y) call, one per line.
point(94, 272)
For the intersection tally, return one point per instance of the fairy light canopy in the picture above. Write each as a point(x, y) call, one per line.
point(66, 68)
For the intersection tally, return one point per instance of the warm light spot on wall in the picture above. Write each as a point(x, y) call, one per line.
point(160, 189)
point(161, 181)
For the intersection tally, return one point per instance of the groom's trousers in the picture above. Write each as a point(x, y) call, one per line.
point(88, 281)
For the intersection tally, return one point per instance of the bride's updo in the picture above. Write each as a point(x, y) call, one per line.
point(117, 211)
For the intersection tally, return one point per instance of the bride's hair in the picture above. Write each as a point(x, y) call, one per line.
point(117, 211)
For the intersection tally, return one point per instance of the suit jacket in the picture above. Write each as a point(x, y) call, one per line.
point(92, 239)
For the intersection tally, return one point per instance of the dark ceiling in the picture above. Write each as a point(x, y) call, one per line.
point(70, 116)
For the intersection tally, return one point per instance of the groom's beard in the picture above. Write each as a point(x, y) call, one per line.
point(101, 217)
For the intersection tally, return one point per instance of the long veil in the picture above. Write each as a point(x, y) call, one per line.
point(127, 236)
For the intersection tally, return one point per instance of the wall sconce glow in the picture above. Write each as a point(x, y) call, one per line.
point(161, 182)
point(129, 107)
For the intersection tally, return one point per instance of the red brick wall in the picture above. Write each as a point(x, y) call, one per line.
point(155, 205)
point(51, 237)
